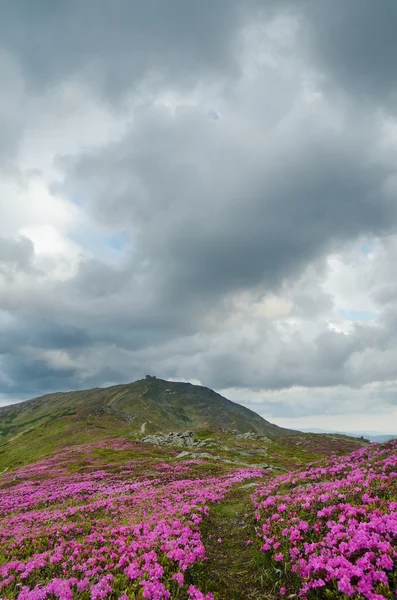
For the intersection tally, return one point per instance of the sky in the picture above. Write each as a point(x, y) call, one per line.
point(203, 191)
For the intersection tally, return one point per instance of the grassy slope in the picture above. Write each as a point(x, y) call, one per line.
point(38, 427)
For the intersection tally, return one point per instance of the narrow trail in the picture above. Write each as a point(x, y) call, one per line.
point(234, 570)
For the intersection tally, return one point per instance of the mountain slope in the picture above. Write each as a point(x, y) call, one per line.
point(39, 425)
point(161, 405)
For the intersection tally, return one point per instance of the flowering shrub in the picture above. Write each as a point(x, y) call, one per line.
point(104, 533)
point(330, 531)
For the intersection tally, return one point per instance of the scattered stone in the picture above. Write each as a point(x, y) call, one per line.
point(249, 485)
point(258, 451)
point(249, 435)
point(197, 455)
point(185, 439)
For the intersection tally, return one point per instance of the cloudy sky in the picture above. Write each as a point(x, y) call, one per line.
point(205, 191)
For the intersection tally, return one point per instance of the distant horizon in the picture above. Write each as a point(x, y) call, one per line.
point(355, 433)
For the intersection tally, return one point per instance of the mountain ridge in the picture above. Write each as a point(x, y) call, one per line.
point(35, 427)
point(179, 404)
point(43, 426)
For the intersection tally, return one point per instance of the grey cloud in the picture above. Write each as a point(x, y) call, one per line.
point(15, 255)
point(112, 349)
point(354, 43)
point(27, 378)
point(31, 377)
point(209, 220)
point(114, 45)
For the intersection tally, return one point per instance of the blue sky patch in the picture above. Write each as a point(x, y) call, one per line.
point(367, 248)
point(358, 315)
point(117, 241)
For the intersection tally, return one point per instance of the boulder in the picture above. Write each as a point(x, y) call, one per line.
point(179, 439)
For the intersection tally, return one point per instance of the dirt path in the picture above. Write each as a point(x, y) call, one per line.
point(234, 570)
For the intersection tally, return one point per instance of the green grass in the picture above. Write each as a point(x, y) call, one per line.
point(234, 570)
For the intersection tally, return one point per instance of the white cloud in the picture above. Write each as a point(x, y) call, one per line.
point(28, 202)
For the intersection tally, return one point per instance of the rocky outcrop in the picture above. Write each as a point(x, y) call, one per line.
point(250, 435)
point(180, 440)
point(186, 440)
point(198, 455)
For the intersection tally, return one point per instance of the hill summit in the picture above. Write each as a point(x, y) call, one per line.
point(146, 406)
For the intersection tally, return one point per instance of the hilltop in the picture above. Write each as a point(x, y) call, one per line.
point(37, 428)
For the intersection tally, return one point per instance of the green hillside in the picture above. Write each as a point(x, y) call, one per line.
point(145, 406)
point(37, 428)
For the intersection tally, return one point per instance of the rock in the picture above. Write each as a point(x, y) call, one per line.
point(248, 435)
point(251, 435)
point(258, 451)
point(249, 485)
point(197, 455)
point(185, 439)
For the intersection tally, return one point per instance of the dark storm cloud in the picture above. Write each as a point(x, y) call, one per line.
point(354, 41)
point(355, 44)
point(29, 377)
point(114, 44)
point(35, 376)
point(206, 229)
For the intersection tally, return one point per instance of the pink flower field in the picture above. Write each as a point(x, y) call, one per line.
point(105, 532)
point(131, 529)
point(330, 531)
